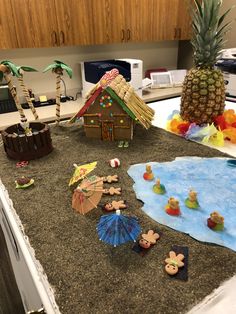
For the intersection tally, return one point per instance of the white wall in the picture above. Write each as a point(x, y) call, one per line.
point(161, 54)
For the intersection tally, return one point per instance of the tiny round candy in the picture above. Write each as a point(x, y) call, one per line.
point(114, 163)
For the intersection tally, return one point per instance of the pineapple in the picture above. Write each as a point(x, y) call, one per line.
point(203, 95)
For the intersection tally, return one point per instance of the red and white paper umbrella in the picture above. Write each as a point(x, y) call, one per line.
point(114, 163)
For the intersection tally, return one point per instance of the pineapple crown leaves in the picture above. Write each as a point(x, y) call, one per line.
point(208, 31)
point(58, 65)
point(25, 68)
point(12, 68)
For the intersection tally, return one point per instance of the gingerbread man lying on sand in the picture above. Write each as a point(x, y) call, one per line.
point(114, 205)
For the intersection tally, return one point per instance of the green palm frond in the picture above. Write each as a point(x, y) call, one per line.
point(67, 69)
point(61, 65)
point(12, 67)
point(26, 68)
point(50, 67)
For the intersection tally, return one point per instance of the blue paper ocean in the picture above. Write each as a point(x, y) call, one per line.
point(214, 181)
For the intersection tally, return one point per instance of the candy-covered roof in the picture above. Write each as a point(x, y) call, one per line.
point(117, 87)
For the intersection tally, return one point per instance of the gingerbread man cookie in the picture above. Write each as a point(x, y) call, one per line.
point(114, 205)
point(148, 239)
point(173, 263)
point(112, 191)
point(110, 179)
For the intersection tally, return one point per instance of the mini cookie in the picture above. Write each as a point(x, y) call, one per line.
point(148, 239)
point(114, 205)
point(110, 179)
point(173, 263)
point(112, 191)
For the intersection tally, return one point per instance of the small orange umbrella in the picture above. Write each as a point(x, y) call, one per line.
point(88, 194)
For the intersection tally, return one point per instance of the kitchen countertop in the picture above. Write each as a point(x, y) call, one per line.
point(69, 108)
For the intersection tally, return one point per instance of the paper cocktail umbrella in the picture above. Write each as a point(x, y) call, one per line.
point(88, 194)
point(116, 229)
point(81, 172)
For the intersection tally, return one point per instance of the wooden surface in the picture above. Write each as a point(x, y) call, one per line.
point(74, 22)
point(108, 22)
point(10, 301)
point(7, 30)
point(184, 20)
point(43, 23)
point(35, 23)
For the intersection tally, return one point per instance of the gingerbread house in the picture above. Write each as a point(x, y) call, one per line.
point(112, 109)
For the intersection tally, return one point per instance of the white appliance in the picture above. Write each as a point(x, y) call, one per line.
point(131, 69)
point(172, 78)
point(227, 64)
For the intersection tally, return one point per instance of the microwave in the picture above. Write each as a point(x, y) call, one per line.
point(7, 103)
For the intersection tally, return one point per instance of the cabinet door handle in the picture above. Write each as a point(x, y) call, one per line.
point(175, 33)
point(122, 34)
point(54, 38)
point(128, 34)
point(62, 37)
point(179, 33)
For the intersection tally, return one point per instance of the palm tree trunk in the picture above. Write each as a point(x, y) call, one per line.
point(16, 99)
point(58, 98)
point(27, 97)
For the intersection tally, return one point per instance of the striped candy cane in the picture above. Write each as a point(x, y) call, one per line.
point(108, 77)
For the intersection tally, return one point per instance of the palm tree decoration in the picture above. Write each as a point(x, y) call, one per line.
point(20, 70)
point(58, 67)
point(7, 70)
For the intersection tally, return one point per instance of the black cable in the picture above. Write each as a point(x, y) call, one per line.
point(64, 86)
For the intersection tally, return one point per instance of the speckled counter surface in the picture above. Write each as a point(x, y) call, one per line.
point(90, 276)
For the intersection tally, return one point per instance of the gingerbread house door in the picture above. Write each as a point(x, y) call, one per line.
point(107, 131)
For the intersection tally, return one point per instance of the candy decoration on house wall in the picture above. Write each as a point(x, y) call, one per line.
point(58, 67)
point(105, 101)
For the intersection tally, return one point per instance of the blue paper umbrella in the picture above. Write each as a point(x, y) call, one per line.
point(116, 229)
